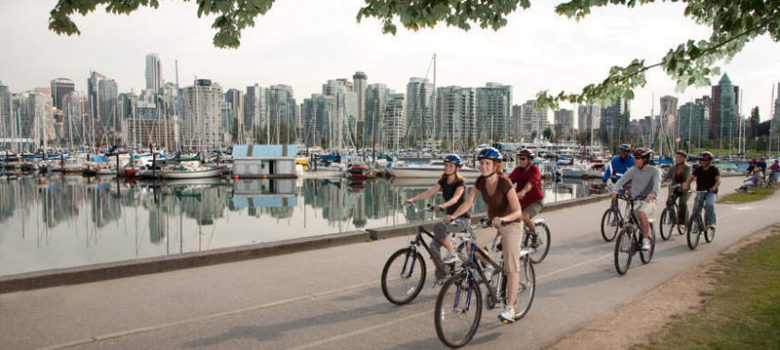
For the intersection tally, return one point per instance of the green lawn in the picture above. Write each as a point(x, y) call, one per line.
point(742, 313)
point(754, 194)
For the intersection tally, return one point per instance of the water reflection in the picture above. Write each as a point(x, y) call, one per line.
point(63, 221)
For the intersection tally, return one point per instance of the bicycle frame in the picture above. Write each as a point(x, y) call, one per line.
point(472, 265)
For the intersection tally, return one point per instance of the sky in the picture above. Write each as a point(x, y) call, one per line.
point(304, 43)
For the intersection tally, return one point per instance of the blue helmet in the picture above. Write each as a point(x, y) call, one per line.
point(490, 153)
point(454, 159)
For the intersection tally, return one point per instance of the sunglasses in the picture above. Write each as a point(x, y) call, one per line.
point(522, 158)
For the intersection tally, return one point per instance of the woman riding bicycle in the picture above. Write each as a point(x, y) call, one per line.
point(678, 174)
point(506, 215)
point(452, 186)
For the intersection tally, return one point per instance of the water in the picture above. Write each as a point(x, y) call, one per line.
point(56, 222)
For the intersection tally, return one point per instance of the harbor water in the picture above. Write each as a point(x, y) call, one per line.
point(66, 221)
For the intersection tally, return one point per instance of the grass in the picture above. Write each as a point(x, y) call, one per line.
point(754, 194)
point(743, 312)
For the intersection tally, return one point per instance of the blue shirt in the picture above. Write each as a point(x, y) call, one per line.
point(618, 167)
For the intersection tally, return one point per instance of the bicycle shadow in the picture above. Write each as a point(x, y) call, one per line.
point(276, 331)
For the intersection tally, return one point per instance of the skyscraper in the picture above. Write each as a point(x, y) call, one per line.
point(360, 80)
point(59, 88)
point(494, 107)
point(281, 113)
point(532, 122)
point(456, 116)
point(375, 100)
point(344, 122)
point(564, 123)
point(236, 100)
point(419, 110)
point(255, 111)
point(394, 122)
point(153, 72)
point(318, 114)
point(589, 117)
point(5, 112)
point(667, 124)
point(202, 115)
point(723, 113)
point(614, 123)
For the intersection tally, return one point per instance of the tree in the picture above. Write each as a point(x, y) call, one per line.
point(734, 23)
point(547, 133)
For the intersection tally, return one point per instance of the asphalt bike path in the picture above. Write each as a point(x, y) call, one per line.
point(330, 298)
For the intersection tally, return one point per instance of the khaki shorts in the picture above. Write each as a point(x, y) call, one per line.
point(511, 242)
point(647, 208)
point(534, 208)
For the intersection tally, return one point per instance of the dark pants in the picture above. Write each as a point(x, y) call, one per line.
point(682, 200)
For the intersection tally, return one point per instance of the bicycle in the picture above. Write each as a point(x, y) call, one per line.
point(696, 225)
point(405, 281)
point(629, 240)
point(459, 304)
point(539, 241)
point(669, 215)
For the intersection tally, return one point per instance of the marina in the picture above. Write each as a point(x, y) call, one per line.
point(59, 221)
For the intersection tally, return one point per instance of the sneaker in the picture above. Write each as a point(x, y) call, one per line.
point(508, 315)
point(645, 244)
point(535, 242)
point(450, 258)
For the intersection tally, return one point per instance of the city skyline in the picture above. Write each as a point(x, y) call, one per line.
point(313, 54)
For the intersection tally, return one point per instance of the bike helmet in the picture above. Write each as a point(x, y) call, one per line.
point(625, 147)
point(706, 155)
point(643, 152)
point(454, 159)
point(525, 152)
point(490, 153)
point(682, 152)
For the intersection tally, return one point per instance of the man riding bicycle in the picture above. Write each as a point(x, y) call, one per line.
point(677, 174)
point(528, 181)
point(707, 178)
point(645, 183)
point(619, 165)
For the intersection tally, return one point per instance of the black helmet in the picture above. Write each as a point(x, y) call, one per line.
point(490, 153)
point(682, 152)
point(706, 155)
point(454, 159)
point(643, 152)
point(525, 152)
point(625, 147)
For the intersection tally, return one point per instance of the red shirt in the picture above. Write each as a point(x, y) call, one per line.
point(521, 177)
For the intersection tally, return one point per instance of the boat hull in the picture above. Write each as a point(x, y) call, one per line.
point(191, 174)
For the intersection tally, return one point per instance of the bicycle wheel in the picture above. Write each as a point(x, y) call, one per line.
point(403, 276)
point(694, 231)
point(543, 243)
point(458, 311)
point(624, 250)
point(527, 290)
point(646, 256)
point(667, 224)
point(709, 234)
point(608, 229)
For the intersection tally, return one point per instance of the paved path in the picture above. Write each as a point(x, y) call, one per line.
point(330, 298)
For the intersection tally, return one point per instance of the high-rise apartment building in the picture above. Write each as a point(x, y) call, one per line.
point(319, 111)
point(153, 72)
point(394, 122)
point(667, 121)
point(692, 124)
point(723, 113)
point(255, 111)
point(532, 122)
point(419, 110)
point(564, 123)
point(202, 115)
point(614, 124)
point(589, 117)
point(456, 116)
point(281, 113)
point(360, 80)
point(345, 120)
point(494, 112)
point(375, 101)
point(5, 112)
point(235, 98)
point(59, 88)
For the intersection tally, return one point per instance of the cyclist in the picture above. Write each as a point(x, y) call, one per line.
point(452, 186)
point(707, 178)
point(645, 183)
point(503, 207)
point(528, 179)
point(678, 174)
point(774, 173)
point(619, 165)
